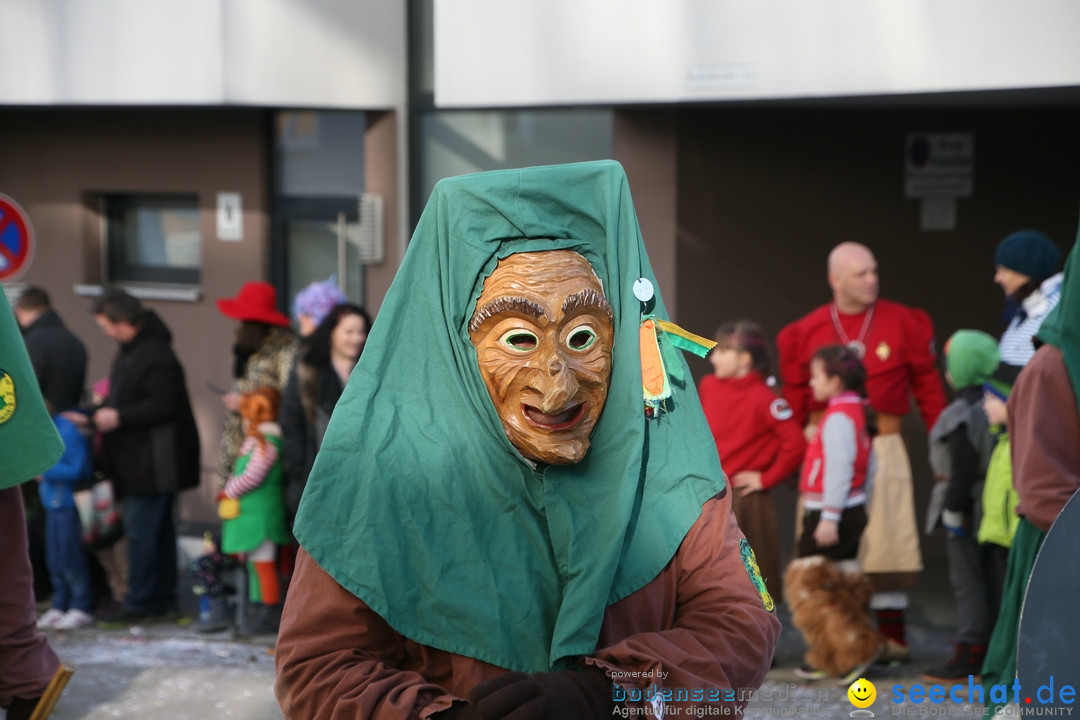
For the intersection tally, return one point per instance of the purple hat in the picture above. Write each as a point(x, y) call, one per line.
point(318, 299)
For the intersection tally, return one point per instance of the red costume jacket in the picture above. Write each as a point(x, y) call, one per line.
point(900, 354)
point(754, 428)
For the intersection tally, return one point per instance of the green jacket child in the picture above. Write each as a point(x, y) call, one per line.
point(999, 498)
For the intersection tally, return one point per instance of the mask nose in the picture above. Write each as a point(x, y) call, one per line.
point(558, 385)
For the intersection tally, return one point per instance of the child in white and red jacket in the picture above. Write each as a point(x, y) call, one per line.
point(834, 488)
point(839, 457)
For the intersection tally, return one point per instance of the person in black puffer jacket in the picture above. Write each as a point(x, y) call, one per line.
point(150, 447)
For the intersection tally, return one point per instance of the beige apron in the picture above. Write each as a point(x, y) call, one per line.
point(890, 543)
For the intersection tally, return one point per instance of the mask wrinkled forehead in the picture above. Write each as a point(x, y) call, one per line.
point(539, 273)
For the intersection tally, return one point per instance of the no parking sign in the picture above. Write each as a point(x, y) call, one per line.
point(16, 240)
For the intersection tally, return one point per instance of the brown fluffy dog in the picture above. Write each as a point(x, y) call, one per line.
point(830, 607)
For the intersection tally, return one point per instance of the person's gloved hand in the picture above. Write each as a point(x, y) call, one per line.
point(953, 520)
point(565, 695)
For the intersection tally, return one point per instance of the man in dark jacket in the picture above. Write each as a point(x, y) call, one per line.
point(58, 356)
point(150, 450)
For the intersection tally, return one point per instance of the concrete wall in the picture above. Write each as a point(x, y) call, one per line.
point(53, 160)
point(571, 52)
point(314, 53)
point(762, 195)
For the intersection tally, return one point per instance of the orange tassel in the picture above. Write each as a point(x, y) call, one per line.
point(653, 374)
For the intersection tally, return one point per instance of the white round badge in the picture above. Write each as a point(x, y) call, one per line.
point(643, 290)
point(780, 409)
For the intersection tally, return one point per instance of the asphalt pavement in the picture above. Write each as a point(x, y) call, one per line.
point(166, 671)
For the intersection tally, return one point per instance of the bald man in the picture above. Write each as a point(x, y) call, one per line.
point(896, 344)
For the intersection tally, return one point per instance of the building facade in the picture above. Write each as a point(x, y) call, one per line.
point(181, 149)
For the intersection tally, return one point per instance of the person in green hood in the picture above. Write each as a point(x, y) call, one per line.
point(31, 446)
point(517, 510)
point(1044, 424)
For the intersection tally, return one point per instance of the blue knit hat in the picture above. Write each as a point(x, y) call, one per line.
point(1030, 253)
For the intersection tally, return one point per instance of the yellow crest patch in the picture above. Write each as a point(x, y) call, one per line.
point(752, 569)
point(7, 397)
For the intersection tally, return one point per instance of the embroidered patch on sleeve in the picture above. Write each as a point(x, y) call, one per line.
point(7, 396)
point(780, 409)
point(752, 569)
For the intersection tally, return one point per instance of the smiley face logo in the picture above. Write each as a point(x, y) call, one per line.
point(862, 693)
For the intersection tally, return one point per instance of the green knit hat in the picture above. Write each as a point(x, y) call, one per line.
point(971, 357)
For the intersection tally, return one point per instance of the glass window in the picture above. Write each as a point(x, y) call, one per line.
point(319, 182)
point(153, 239)
point(454, 142)
point(322, 239)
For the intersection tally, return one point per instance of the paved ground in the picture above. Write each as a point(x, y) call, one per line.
point(785, 694)
point(169, 672)
point(165, 672)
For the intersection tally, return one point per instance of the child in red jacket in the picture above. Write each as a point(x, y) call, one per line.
point(758, 441)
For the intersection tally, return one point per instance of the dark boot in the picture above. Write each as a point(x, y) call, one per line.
point(967, 659)
point(21, 708)
point(261, 619)
point(214, 615)
point(891, 624)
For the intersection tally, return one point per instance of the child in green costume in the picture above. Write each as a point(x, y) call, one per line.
point(254, 501)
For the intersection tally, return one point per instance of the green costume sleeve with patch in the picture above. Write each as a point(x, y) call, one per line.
point(31, 445)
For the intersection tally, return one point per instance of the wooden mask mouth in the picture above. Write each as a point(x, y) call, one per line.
point(565, 420)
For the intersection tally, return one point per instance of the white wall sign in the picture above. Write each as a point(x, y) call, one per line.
point(939, 165)
point(230, 217)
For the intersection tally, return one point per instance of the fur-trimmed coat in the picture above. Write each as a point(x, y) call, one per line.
point(269, 366)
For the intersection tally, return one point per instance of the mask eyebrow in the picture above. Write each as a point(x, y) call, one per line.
point(505, 304)
point(587, 299)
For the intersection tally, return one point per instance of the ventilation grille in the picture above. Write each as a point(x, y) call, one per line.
point(372, 245)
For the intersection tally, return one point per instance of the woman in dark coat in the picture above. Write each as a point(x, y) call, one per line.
point(326, 359)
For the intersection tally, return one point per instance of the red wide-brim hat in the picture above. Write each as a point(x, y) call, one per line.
point(256, 302)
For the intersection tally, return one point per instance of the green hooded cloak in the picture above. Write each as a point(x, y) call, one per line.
point(30, 441)
point(420, 506)
point(1061, 328)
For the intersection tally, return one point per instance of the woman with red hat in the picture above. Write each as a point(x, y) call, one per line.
point(263, 355)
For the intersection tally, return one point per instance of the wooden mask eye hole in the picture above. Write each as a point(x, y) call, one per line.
point(581, 338)
point(520, 340)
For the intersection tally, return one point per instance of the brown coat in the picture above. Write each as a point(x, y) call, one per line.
point(699, 624)
point(1044, 427)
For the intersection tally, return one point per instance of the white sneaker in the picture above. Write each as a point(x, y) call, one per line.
point(50, 618)
point(74, 618)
